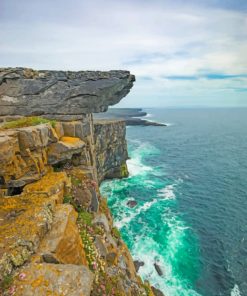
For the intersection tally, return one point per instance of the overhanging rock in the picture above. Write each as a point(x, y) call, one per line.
point(28, 92)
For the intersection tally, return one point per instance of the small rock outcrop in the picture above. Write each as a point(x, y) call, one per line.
point(29, 92)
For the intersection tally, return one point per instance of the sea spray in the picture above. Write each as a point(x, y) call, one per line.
point(153, 229)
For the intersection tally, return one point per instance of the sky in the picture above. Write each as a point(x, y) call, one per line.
point(183, 53)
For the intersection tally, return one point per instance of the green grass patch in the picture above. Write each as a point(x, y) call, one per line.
point(27, 121)
point(75, 181)
point(67, 199)
point(85, 218)
point(6, 282)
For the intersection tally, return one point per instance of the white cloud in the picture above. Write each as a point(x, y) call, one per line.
point(152, 39)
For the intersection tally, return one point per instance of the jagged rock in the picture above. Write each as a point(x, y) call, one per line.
point(63, 243)
point(111, 149)
point(54, 279)
point(64, 149)
point(60, 92)
point(101, 219)
point(158, 269)
point(131, 203)
point(138, 264)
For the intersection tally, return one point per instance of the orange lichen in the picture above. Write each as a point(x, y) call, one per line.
point(70, 140)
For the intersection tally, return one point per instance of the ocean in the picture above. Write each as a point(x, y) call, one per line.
point(189, 180)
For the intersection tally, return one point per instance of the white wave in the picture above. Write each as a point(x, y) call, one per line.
point(131, 215)
point(136, 167)
point(148, 115)
point(167, 192)
point(148, 251)
point(235, 291)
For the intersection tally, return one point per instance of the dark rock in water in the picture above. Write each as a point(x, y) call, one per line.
point(157, 292)
point(28, 92)
point(131, 203)
point(138, 264)
point(158, 269)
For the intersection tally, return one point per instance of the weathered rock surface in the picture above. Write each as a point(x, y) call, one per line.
point(111, 149)
point(63, 243)
point(54, 280)
point(24, 221)
point(28, 92)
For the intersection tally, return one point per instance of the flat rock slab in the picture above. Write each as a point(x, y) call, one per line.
point(64, 149)
point(25, 91)
point(54, 280)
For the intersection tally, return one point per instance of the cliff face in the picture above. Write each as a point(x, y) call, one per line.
point(56, 231)
point(111, 149)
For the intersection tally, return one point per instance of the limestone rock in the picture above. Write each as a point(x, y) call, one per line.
point(63, 243)
point(111, 149)
point(60, 92)
point(54, 279)
point(64, 149)
point(101, 219)
point(100, 246)
point(51, 184)
point(24, 221)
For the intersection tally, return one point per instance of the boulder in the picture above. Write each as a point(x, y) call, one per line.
point(63, 242)
point(131, 203)
point(54, 279)
point(158, 269)
point(29, 92)
point(138, 264)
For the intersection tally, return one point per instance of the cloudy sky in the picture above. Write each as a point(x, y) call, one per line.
point(183, 53)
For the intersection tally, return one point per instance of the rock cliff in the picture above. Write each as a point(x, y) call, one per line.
point(56, 231)
point(28, 92)
point(111, 149)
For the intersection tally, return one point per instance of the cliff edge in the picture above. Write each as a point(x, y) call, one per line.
point(56, 231)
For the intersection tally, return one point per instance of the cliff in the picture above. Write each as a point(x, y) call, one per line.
point(111, 149)
point(56, 231)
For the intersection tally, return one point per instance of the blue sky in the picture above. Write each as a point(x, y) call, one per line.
point(192, 54)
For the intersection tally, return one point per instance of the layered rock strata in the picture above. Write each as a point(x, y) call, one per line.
point(29, 92)
point(56, 231)
point(111, 149)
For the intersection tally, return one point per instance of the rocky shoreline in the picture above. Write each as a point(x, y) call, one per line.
point(56, 230)
point(129, 115)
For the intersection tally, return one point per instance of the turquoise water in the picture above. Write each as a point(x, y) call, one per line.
point(189, 182)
